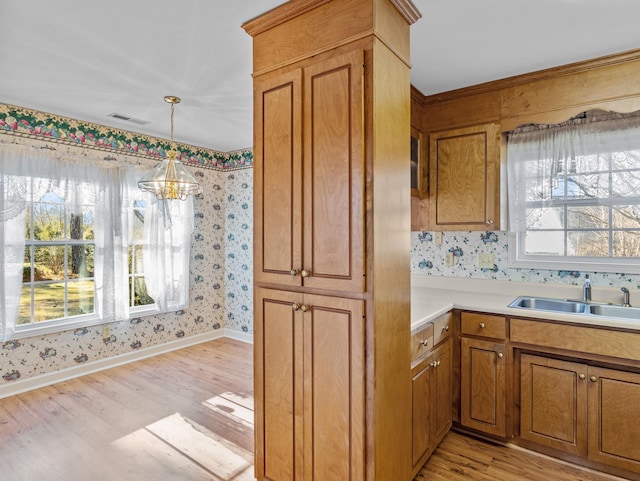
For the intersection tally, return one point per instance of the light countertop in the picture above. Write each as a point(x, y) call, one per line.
point(432, 296)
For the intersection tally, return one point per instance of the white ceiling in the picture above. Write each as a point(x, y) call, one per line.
point(88, 59)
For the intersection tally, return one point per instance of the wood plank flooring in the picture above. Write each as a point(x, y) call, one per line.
point(188, 416)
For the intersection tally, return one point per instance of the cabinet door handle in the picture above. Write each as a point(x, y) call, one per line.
point(482, 325)
point(593, 379)
point(305, 308)
point(582, 376)
point(294, 272)
point(305, 273)
point(295, 307)
point(500, 355)
point(445, 328)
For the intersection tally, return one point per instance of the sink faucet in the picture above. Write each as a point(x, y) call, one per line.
point(586, 289)
point(625, 302)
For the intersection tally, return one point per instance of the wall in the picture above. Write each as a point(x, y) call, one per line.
point(221, 258)
point(427, 258)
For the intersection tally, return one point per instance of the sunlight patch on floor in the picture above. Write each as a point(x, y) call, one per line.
point(237, 408)
point(194, 443)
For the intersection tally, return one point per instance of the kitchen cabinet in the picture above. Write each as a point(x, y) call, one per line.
point(309, 205)
point(614, 411)
point(483, 373)
point(331, 190)
point(309, 356)
point(431, 390)
point(464, 176)
point(581, 409)
point(422, 389)
point(553, 403)
point(419, 171)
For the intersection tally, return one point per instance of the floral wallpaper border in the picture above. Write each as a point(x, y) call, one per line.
point(31, 123)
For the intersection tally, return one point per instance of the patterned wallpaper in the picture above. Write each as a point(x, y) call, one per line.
point(221, 276)
point(429, 259)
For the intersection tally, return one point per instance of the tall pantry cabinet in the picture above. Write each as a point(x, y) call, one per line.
point(332, 240)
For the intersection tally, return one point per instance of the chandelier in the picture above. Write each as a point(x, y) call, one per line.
point(169, 179)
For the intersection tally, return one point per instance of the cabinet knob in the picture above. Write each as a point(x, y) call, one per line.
point(425, 342)
point(445, 328)
point(490, 221)
point(482, 325)
point(437, 363)
point(294, 272)
point(582, 376)
point(295, 307)
point(500, 355)
point(593, 379)
point(305, 273)
point(305, 308)
point(432, 364)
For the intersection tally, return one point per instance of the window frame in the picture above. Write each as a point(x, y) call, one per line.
point(609, 170)
point(81, 320)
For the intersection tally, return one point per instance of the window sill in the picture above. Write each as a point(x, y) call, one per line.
point(22, 332)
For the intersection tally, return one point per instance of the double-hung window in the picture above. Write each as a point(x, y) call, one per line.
point(83, 245)
point(59, 261)
point(574, 194)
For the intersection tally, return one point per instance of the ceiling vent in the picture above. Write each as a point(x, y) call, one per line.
point(126, 118)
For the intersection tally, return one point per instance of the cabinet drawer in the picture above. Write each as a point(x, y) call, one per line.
point(484, 325)
point(421, 341)
point(441, 328)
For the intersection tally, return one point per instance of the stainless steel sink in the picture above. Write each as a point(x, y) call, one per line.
point(615, 311)
point(575, 307)
point(549, 304)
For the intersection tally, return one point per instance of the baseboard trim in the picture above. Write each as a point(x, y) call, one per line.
point(17, 387)
point(239, 336)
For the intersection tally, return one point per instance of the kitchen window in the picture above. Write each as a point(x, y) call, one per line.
point(574, 194)
point(82, 245)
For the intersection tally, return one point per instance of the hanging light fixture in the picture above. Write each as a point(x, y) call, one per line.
point(170, 179)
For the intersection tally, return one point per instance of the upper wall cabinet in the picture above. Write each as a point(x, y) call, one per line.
point(419, 170)
point(310, 205)
point(464, 172)
point(463, 161)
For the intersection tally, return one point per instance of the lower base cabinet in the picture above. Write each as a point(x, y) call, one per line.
point(431, 408)
point(580, 409)
point(483, 388)
point(309, 386)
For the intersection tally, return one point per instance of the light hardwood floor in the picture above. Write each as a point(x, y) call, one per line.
point(188, 416)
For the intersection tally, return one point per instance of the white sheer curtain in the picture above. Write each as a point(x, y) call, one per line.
point(538, 155)
point(27, 174)
point(12, 231)
point(168, 233)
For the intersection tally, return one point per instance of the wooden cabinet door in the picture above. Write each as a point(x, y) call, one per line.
point(422, 412)
point(442, 409)
point(309, 205)
point(309, 386)
point(334, 173)
point(483, 390)
point(333, 373)
point(277, 179)
point(614, 411)
point(464, 172)
point(553, 403)
point(278, 383)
